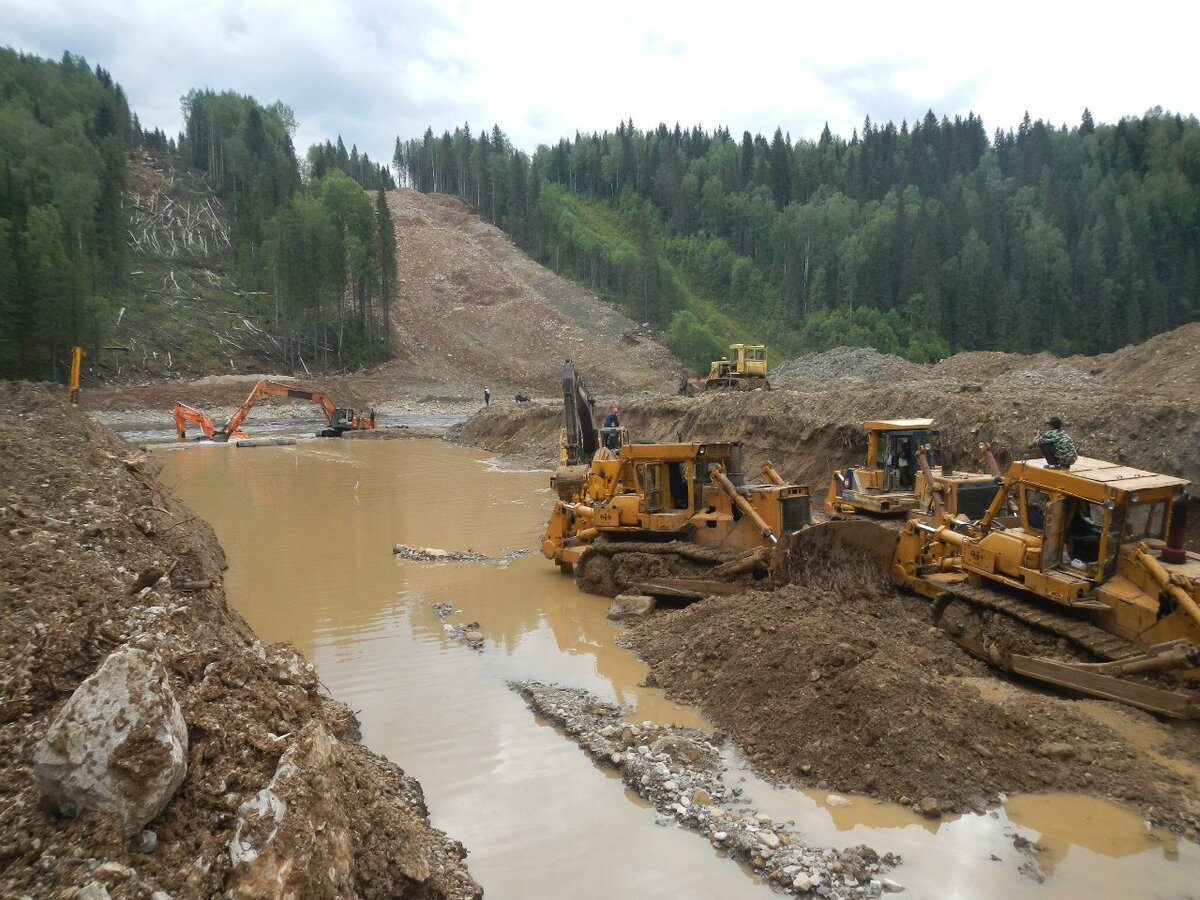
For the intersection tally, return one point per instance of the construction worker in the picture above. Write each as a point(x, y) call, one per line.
point(1056, 445)
point(487, 396)
point(611, 430)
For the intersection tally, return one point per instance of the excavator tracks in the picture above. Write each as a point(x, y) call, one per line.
point(1099, 643)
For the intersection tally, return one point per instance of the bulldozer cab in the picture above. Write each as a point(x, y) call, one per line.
point(669, 486)
point(887, 483)
point(1076, 521)
point(749, 359)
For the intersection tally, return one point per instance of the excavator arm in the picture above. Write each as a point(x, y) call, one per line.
point(185, 415)
point(582, 440)
point(338, 420)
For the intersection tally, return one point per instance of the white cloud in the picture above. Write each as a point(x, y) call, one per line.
point(543, 70)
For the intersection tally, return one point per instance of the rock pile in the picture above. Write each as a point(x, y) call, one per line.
point(679, 770)
point(435, 554)
point(144, 728)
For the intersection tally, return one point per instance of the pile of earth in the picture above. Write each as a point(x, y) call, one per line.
point(842, 683)
point(96, 556)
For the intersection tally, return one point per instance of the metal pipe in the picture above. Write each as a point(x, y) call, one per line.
point(993, 466)
point(1175, 552)
point(1163, 577)
point(939, 507)
point(718, 475)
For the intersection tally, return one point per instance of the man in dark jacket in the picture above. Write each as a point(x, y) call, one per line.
point(1056, 445)
point(610, 431)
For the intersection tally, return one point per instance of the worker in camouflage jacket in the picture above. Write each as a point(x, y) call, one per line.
point(1056, 445)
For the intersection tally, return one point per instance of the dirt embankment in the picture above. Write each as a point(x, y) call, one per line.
point(472, 309)
point(812, 424)
point(97, 555)
point(841, 684)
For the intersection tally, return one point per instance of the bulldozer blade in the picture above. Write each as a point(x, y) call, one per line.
point(1080, 680)
point(850, 545)
point(689, 588)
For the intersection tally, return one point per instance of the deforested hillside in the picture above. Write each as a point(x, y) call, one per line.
point(473, 310)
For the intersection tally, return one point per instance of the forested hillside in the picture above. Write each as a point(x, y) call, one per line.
point(87, 259)
point(64, 129)
point(918, 240)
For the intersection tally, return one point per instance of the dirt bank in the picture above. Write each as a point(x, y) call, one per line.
point(843, 684)
point(97, 555)
point(813, 424)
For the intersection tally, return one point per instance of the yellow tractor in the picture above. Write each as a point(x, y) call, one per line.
point(649, 510)
point(745, 369)
point(897, 478)
point(1091, 557)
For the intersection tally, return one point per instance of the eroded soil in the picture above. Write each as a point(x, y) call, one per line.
point(96, 554)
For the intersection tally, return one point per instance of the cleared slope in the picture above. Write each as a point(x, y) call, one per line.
point(472, 309)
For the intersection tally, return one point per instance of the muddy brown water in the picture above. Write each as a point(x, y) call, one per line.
point(309, 530)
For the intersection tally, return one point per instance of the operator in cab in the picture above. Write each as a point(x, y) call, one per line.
point(611, 429)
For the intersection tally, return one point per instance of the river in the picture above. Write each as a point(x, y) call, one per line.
point(308, 530)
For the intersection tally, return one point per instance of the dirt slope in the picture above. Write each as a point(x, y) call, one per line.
point(813, 422)
point(474, 310)
point(96, 554)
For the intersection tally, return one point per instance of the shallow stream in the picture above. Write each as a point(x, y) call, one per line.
point(308, 530)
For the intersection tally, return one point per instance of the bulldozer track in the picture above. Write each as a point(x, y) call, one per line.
point(1094, 640)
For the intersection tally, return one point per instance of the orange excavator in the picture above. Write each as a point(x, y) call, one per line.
point(188, 415)
point(338, 419)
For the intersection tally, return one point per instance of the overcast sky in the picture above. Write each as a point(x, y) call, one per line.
point(372, 71)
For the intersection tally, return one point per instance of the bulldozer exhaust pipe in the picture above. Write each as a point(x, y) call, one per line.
point(1174, 552)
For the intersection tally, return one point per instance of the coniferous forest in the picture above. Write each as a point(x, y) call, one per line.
point(313, 254)
point(921, 240)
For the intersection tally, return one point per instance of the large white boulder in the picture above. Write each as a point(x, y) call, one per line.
point(118, 745)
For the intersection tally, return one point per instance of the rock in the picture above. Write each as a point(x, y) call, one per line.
point(631, 608)
point(930, 808)
point(290, 840)
point(768, 839)
point(113, 869)
point(119, 744)
point(801, 883)
point(836, 801)
point(891, 887)
point(147, 842)
point(701, 797)
point(1057, 750)
point(93, 890)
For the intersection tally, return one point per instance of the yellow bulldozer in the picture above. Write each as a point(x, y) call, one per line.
point(661, 511)
point(897, 477)
point(745, 369)
point(1091, 557)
